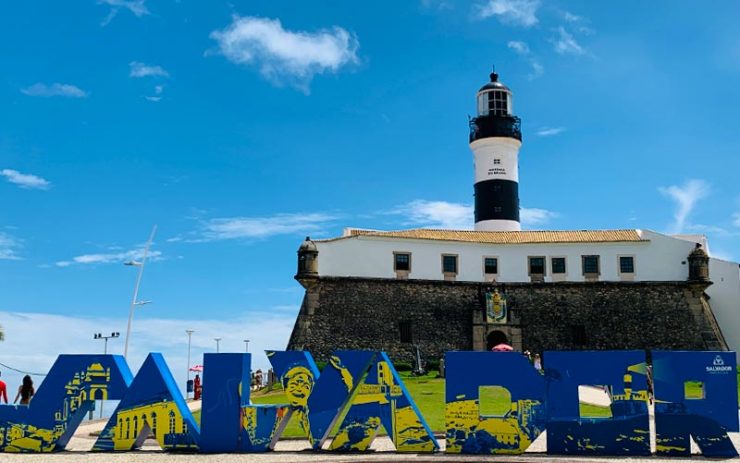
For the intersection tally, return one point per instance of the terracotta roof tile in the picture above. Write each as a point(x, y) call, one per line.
point(506, 237)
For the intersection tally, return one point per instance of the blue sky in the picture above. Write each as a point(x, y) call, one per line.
point(241, 127)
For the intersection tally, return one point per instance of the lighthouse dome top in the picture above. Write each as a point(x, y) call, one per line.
point(494, 84)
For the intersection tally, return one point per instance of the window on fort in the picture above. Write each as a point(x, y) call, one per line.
point(497, 161)
point(490, 265)
point(404, 329)
point(558, 264)
point(449, 264)
point(497, 209)
point(536, 265)
point(626, 264)
point(578, 335)
point(590, 264)
point(402, 261)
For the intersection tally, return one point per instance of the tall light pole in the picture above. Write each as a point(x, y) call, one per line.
point(113, 335)
point(134, 300)
point(246, 345)
point(218, 340)
point(190, 334)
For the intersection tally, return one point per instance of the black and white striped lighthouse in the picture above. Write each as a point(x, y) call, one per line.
point(495, 139)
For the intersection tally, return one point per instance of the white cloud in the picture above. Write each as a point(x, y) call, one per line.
point(27, 181)
point(137, 7)
point(566, 44)
point(284, 56)
point(262, 227)
point(266, 328)
point(143, 70)
point(578, 23)
point(736, 219)
point(522, 49)
point(440, 5)
point(437, 214)
point(158, 89)
point(456, 216)
point(685, 197)
point(516, 12)
point(56, 89)
point(537, 69)
point(111, 258)
point(549, 131)
point(531, 217)
point(9, 246)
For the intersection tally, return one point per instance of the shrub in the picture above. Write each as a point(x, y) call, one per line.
point(403, 366)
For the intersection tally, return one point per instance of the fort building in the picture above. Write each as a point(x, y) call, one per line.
point(441, 290)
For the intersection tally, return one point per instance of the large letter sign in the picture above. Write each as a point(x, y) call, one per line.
point(66, 395)
point(382, 399)
point(695, 394)
point(590, 403)
point(362, 383)
point(623, 374)
point(229, 422)
point(152, 404)
point(516, 427)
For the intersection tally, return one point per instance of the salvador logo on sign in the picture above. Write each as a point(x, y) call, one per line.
point(363, 389)
point(718, 366)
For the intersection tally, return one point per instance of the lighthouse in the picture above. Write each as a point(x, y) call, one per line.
point(495, 139)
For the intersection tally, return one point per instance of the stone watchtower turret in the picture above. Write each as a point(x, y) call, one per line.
point(308, 262)
point(698, 264)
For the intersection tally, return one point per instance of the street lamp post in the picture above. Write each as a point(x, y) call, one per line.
point(190, 334)
point(134, 300)
point(113, 335)
point(218, 340)
point(246, 345)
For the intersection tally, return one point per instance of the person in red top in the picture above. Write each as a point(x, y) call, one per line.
point(196, 387)
point(3, 391)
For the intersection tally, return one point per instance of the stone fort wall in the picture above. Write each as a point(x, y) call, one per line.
point(365, 313)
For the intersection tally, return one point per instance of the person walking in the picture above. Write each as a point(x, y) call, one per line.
point(25, 391)
point(3, 391)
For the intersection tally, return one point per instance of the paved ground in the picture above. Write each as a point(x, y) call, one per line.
point(297, 451)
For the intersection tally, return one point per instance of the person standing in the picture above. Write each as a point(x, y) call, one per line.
point(3, 391)
point(537, 362)
point(196, 387)
point(25, 391)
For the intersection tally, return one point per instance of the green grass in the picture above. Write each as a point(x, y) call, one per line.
point(594, 411)
point(693, 390)
point(494, 401)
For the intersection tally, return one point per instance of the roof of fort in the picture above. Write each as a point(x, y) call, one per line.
point(502, 237)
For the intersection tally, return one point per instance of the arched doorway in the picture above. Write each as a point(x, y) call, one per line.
point(494, 338)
